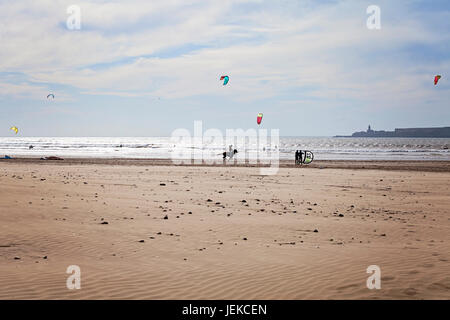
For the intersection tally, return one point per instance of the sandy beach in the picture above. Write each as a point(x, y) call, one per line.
point(150, 230)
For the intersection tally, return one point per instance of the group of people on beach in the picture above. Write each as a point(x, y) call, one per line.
point(300, 157)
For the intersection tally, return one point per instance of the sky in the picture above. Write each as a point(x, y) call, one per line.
point(146, 68)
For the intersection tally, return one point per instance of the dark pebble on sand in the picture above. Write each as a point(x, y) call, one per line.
point(166, 217)
point(104, 222)
point(244, 238)
point(341, 215)
point(16, 258)
point(315, 230)
point(162, 184)
point(141, 241)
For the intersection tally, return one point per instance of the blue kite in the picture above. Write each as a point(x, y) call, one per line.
point(225, 79)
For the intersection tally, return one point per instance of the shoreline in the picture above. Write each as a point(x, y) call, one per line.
point(397, 165)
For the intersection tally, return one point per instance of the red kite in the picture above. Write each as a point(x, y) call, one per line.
point(436, 79)
point(259, 118)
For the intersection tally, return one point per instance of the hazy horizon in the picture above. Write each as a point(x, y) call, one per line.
point(206, 128)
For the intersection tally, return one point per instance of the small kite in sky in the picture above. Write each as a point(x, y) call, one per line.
point(259, 118)
point(225, 79)
point(15, 129)
point(51, 95)
point(436, 79)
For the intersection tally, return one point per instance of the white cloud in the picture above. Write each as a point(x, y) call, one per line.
point(23, 90)
point(325, 51)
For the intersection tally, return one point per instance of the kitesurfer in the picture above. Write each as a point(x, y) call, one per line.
point(230, 153)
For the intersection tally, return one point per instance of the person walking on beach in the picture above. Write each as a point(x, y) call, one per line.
point(298, 157)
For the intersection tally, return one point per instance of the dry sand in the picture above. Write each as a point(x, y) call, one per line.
point(230, 233)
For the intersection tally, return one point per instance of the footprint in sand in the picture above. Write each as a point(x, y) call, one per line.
point(439, 286)
point(350, 286)
point(410, 291)
point(387, 278)
point(413, 272)
point(428, 265)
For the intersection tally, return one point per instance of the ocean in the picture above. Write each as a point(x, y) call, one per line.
point(324, 148)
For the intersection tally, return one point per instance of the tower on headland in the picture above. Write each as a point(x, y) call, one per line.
point(442, 132)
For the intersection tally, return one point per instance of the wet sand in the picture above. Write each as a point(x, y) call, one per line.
point(146, 229)
point(429, 166)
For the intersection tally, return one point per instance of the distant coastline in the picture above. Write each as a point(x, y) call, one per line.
point(442, 132)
